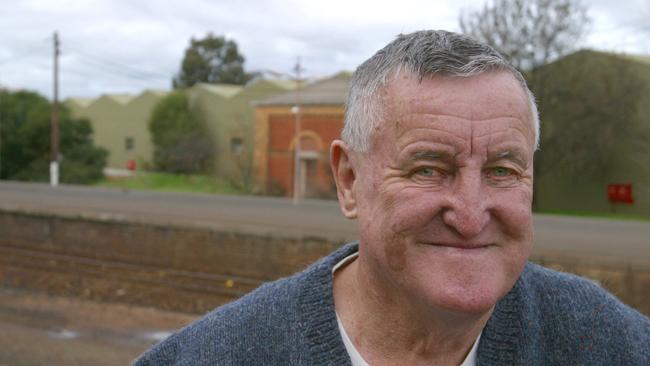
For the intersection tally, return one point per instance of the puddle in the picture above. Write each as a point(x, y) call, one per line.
point(156, 336)
point(63, 334)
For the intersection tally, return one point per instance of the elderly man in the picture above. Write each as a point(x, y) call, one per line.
point(436, 166)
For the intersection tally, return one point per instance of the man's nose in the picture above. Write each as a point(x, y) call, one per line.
point(468, 206)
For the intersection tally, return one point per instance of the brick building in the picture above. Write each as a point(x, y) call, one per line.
point(321, 120)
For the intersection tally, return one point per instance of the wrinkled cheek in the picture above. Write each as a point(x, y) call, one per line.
point(520, 230)
point(395, 240)
point(395, 253)
point(385, 235)
point(518, 216)
point(523, 226)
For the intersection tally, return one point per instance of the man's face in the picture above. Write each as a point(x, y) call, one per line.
point(444, 195)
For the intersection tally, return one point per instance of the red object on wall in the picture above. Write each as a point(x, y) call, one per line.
point(130, 164)
point(620, 193)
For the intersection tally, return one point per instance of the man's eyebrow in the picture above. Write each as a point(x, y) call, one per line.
point(513, 155)
point(429, 155)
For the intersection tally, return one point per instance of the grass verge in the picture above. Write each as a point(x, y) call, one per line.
point(173, 183)
point(597, 215)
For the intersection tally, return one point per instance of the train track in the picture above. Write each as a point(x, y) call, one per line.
point(112, 280)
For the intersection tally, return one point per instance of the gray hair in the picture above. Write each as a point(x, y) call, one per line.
point(425, 54)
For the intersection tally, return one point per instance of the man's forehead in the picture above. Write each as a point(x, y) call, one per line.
point(455, 103)
point(496, 87)
point(512, 153)
point(415, 143)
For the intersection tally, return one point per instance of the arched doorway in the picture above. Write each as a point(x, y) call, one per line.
point(309, 154)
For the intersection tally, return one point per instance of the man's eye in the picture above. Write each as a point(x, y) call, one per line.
point(501, 175)
point(426, 172)
point(500, 172)
point(428, 175)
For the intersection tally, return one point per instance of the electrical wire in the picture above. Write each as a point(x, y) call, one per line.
point(27, 53)
point(121, 72)
point(119, 66)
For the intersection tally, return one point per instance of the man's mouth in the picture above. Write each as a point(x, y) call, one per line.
point(462, 245)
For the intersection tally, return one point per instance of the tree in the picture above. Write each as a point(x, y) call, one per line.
point(182, 144)
point(25, 127)
point(529, 33)
point(591, 106)
point(211, 60)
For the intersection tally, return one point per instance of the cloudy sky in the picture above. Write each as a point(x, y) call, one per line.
point(122, 46)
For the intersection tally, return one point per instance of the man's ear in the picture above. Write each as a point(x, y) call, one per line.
point(345, 177)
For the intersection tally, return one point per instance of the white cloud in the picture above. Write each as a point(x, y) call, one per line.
point(113, 46)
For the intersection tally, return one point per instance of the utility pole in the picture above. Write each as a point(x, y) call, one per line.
point(297, 182)
point(54, 163)
point(1, 94)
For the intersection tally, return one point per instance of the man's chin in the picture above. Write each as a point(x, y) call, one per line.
point(478, 298)
point(466, 308)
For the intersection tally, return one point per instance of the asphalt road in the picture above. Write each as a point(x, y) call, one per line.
point(627, 241)
point(249, 214)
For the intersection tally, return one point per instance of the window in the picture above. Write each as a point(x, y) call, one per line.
point(129, 143)
point(236, 145)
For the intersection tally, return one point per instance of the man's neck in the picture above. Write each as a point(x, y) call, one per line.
point(387, 330)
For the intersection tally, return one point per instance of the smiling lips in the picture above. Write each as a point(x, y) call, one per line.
point(465, 246)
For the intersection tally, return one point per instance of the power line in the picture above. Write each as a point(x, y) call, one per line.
point(118, 65)
point(107, 67)
point(90, 72)
point(27, 53)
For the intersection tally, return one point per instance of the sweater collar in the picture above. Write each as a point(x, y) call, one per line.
point(318, 313)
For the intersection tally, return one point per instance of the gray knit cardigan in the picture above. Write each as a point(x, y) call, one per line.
point(548, 318)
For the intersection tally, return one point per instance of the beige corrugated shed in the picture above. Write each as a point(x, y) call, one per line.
point(80, 102)
point(222, 90)
point(120, 123)
point(329, 91)
point(123, 99)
